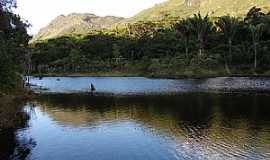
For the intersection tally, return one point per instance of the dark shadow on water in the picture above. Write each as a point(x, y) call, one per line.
point(13, 148)
point(196, 109)
point(13, 118)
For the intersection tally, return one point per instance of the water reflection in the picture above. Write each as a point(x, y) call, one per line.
point(188, 126)
point(13, 118)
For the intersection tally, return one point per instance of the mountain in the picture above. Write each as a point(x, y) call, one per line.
point(185, 8)
point(83, 23)
point(75, 23)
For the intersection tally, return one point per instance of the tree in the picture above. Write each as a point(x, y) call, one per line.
point(143, 29)
point(228, 26)
point(184, 28)
point(256, 33)
point(5, 6)
point(254, 16)
point(74, 58)
point(156, 44)
point(13, 43)
point(201, 26)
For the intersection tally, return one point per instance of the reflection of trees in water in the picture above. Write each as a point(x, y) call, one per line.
point(13, 148)
point(13, 118)
point(191, 109)
point(225, 124)
point(78, 110)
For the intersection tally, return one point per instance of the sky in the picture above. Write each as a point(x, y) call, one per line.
point(40, 12)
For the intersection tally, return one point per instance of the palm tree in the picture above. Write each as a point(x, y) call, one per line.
point(256, 33)
point(254, 16)
point(228, 26)
point(184, 28)
point(143, 29)
point(201, 26)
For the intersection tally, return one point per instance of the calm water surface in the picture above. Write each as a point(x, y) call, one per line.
point(150, 123)
point(146, 86)
point(188, 126)
point(112, 85)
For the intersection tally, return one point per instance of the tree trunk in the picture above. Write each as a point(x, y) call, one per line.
point(226, 64)
point(226, 57)
point(187, 49)
point(201, 47)
point(255, 56)
point(230, 50)
point(200, 52)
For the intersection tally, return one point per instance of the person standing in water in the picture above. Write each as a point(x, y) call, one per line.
point(93, 89)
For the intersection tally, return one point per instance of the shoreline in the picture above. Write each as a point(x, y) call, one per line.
point(111, 95)
point(154, 76)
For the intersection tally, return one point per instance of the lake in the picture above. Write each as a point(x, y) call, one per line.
point(146, 86)
point(150, 123)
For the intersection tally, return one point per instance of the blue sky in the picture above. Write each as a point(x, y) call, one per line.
point(40, 12)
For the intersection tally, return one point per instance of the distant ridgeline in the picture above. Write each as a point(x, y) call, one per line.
point(172, 38)
point(77, 23)
point(186, 8)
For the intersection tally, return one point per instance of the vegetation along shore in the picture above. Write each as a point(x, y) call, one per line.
point(200, 45)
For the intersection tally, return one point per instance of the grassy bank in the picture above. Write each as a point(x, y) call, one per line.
point(158, 69)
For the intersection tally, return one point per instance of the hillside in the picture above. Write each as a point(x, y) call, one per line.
point(75, 23)
point(83, 23)
point(185, 8)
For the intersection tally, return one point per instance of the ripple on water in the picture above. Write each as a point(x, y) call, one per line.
point(187, 126)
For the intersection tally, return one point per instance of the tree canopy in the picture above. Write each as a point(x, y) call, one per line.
point(13, 45)
point(197, 42)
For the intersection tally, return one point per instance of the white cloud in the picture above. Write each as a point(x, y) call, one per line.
point(40, 12)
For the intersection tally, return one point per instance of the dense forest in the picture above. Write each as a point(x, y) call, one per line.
point(13, 47)
point(195, 46)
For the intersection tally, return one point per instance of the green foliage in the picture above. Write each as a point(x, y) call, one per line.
point(13, 47)
point(256, 34)
point(228, 26)
point(184, 28)
point(201, 26)
point(116, 51)
point(163, 46)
